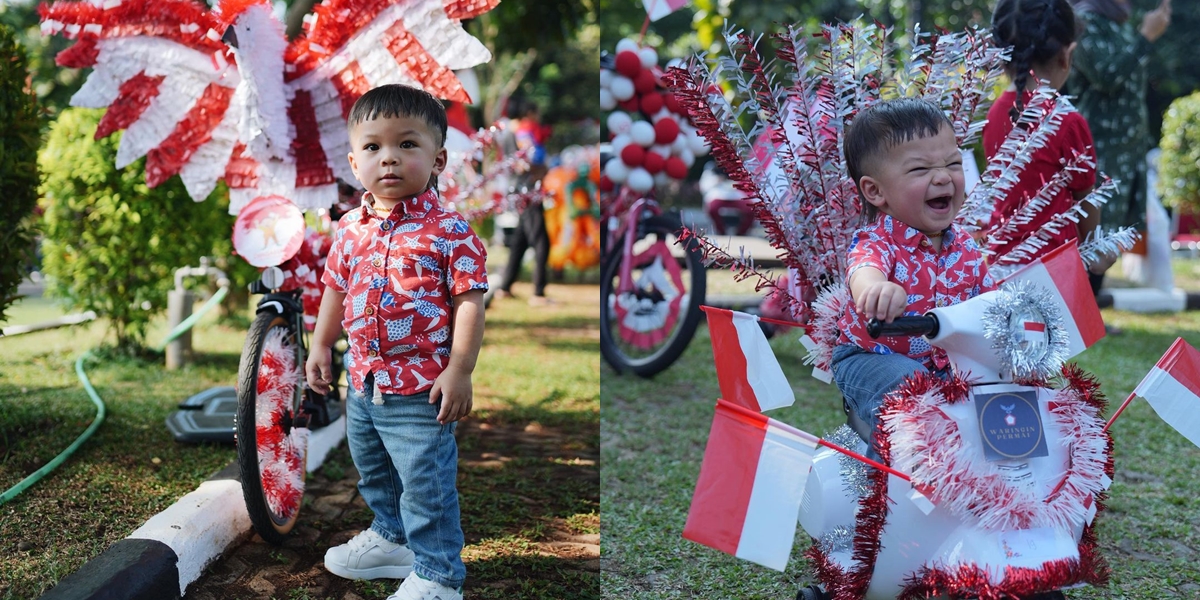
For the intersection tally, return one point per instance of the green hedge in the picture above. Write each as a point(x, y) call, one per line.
point(1179, 166)
point(112, 244)
point(18, 168)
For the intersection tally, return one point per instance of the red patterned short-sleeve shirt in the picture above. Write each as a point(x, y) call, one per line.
point(931, 278)
point(400, 272)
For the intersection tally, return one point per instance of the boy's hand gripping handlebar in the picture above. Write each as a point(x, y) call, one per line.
point(926, 325)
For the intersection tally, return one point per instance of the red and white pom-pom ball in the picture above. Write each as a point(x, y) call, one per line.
point(629, 64)
point(665, 130)
point(633, 155)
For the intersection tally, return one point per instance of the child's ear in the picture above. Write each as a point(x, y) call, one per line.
point(439, 161)
point(1064, 57)
point(353, 165)
point(872, 192)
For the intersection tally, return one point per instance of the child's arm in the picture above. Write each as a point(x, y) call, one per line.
point(875, 297)
point(453, 386)
point(319, 367)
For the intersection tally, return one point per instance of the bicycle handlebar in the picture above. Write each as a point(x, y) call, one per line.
point(926, 325)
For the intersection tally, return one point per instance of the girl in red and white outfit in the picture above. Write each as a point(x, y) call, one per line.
point(1042, 36)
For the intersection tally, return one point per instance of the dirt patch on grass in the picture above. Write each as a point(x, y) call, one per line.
point(530, 505)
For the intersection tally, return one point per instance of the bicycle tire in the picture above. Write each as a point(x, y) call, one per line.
point(272, 453)
point(663, 345)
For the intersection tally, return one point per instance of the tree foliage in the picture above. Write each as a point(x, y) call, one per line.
point(1179, 166)
point(18, 168)
point(111, 244)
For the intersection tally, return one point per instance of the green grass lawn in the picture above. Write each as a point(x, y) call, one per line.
point(654, 432)
point(539, 371)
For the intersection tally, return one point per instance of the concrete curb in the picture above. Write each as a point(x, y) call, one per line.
point(171, 550)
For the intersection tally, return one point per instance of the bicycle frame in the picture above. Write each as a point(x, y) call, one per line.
point(627, 223)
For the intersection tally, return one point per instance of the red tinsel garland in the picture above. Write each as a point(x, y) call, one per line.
point(963, 580)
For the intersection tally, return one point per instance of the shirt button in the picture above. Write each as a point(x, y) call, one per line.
point(386, 225)
point(377, 263)
point(370, 310)
point(372, 353)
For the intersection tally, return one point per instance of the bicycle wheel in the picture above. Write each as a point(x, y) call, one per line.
point(271, 445)
point(644, 329)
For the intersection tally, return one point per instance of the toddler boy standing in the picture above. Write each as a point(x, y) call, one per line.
point(405, 278)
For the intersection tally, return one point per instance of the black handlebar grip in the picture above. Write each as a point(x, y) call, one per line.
point(926, 325)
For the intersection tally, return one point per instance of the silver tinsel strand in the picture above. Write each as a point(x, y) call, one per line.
point(1026, 297)
point(853, 471)
point(837, 539)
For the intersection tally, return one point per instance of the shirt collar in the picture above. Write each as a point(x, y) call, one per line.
point(909, 237)
point(413, 207)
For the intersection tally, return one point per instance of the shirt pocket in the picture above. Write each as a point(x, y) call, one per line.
point(418, 270)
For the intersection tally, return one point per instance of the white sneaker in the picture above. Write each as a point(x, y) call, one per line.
point(418, 588)
point(369, 556)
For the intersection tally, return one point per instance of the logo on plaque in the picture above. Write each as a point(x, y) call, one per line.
point(1010, 425)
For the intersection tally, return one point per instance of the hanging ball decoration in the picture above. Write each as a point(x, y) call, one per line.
point(679, 145)
point(649, 57)
point(651, 103)
point(629, 64)
point(619, 142)
point(640, 180)
point(665, 131)
point(697, 144)
point(626, 44)
point(661, 179)
point(671, 102)
point(675, 168)
point(616, 171)
point(607, 100)
point(633, 155)
point(606, 184)
point(642, 134)
point(619, 122)
point(645, 82)
point(621, 87)
point(630, 105)
point(605, 77)
point(653, 162)
point(688, 158)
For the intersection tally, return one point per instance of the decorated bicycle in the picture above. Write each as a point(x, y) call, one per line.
point(988, 482)
point(222, 95)
point(650, 287)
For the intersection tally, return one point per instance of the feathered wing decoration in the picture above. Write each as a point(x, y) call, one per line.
point(266, 116)
point(165, 77)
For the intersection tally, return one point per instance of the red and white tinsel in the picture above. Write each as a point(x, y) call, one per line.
point(281, 458)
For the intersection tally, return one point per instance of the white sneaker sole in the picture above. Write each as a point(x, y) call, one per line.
point(382, 572)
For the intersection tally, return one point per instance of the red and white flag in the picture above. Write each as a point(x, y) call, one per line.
point(747, 498)
point(658, 9)
point(747, 370)
point(1172, 387)
point(1062, 272)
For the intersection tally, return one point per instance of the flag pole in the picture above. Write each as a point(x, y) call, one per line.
point(873, 463)
point(753, 416)
point(1119, 411)
point(646, 23)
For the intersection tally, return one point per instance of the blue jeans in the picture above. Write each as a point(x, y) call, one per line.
point(408, 462)
point(865, 377)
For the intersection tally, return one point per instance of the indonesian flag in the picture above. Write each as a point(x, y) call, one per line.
point(747, 370)
point(658, 9)
point(747, 498)
point(1062, 272)
point(1172, 388)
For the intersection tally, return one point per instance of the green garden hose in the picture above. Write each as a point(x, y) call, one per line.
point(37, 475)
point(187, 323)
point(87, 433)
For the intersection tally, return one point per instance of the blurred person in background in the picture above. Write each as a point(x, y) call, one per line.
point(1108, 81)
